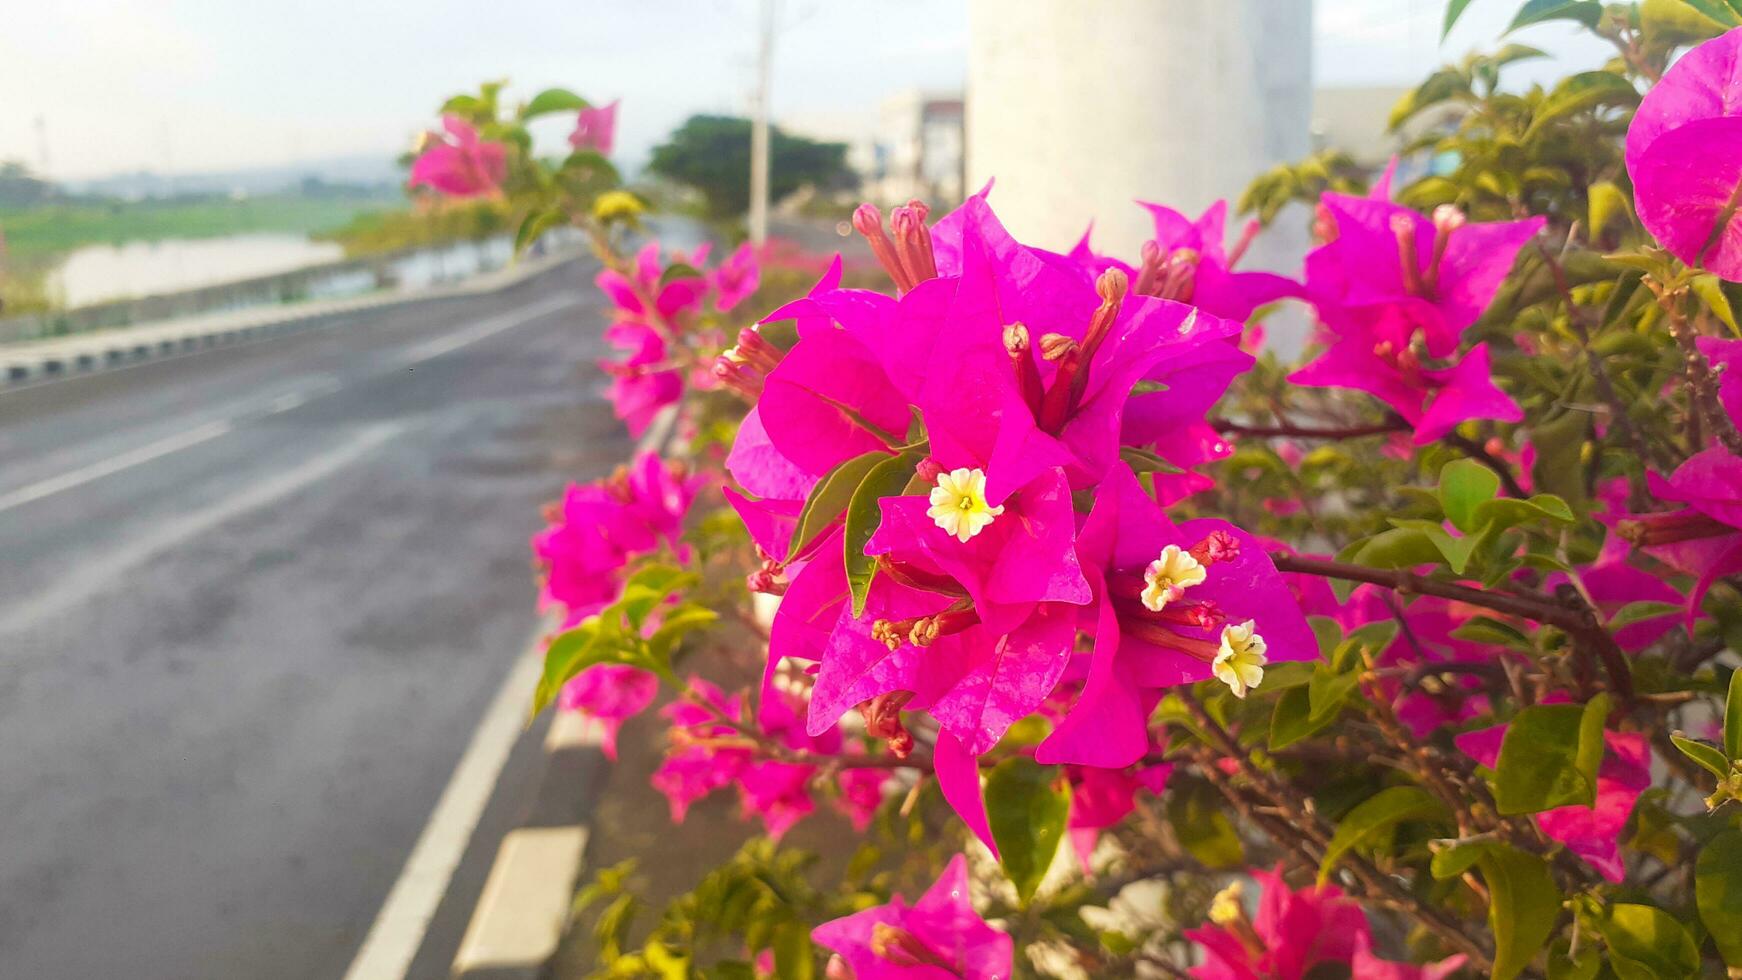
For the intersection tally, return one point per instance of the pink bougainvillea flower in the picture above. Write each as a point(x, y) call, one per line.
point(639, 295)
point(1186, 261)
point(1426, 637)
point(1433, 402)
point(701, 758)
point(460, 164)
point(1704, 539)
point(1594, 832)
point(641, 382)
point(1368, 966)
point(1100, 798)
point(609, 694)
point(778, 793)
point(936, 938)
point(1726, 359)
point(862, 793)
point(1038, 364)
point(1684, 152)
point(1393, 276)
point(736, 278)
point(1293, 932)
point(600, 526)
point(596, 129)
point(1174, 604)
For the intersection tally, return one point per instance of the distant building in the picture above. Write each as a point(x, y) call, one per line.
point(1353, 119)
point(917, 150)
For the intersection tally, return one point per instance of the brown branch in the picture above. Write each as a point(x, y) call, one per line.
point(1539, 608)
point(1289, 429)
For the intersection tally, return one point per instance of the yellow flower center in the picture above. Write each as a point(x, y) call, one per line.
point(1240, 663)
point(958, 503)
point(1168, 577)
point(1229, 905)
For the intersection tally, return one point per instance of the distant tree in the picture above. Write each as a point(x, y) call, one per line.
point(712, 155)
point(18, 186)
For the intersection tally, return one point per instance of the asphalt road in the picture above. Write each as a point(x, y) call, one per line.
point(253, 603)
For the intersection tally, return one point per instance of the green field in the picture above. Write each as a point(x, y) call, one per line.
point(37, 232)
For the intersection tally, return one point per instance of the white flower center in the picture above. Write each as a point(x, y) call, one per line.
point(958, 503)
point(1240, 664)
point(1168, 577)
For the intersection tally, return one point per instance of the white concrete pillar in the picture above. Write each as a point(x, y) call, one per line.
point(1080, 106)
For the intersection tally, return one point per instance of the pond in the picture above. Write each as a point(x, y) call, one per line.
point(96, 273)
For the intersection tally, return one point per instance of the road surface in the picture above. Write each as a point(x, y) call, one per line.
point(253, 603)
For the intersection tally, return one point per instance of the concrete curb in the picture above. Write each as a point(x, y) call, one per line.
point(523, 912)
point(58, 357)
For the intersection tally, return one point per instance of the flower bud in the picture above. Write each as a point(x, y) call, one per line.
point(1448, 218)
point(1016, 339)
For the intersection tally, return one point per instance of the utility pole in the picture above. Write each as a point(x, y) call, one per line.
point(42, 146)
point(759, 124)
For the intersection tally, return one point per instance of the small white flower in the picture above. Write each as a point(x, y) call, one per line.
point(1168, 577)
point(1240, 664)
point(958, 503)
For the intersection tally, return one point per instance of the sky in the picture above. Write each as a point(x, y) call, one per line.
point(186, 86)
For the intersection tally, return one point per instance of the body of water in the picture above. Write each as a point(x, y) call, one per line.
point(98, 273)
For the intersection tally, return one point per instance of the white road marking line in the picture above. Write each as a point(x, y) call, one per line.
point(399, 928)
point(283, 403)
point(114, 464)
point(488, 328)
point(88, 578)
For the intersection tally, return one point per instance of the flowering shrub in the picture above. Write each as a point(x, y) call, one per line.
point(1414, 659)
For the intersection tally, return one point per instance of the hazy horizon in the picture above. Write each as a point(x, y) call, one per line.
point(183, 87)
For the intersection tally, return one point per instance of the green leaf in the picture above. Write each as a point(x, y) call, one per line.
point(1329, 690)
point(1651, 938)
point(793, 954)
point(553, 100)
point(1379, 813)
point(1194, 813)
point(1524, 906)
point(1026, 806)
point(1441, 86)
point(1485, 629)
point(678, 271)
point(1586, 12)
point(1672, 23)
point(1718, 892)
point(1549, 757)
point(1608, 206)
point(865, 513)
point(1143, 461)
point(1457, 859)
point(567, 655)
point(1583, 91)
point(1464, 483)
point(1585, 966)
point(1709, 758)
point(830, 497)
point(1733, 718)
point(1710, 290)
point(1294, 720)
point(1639, 612)
point(535, 224)
point(1717, 11)
point(1454, 10)
point(1396, 548)
point(1455, 551)
point(1505, 512)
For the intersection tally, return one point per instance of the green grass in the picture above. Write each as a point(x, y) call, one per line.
point(45, 231)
